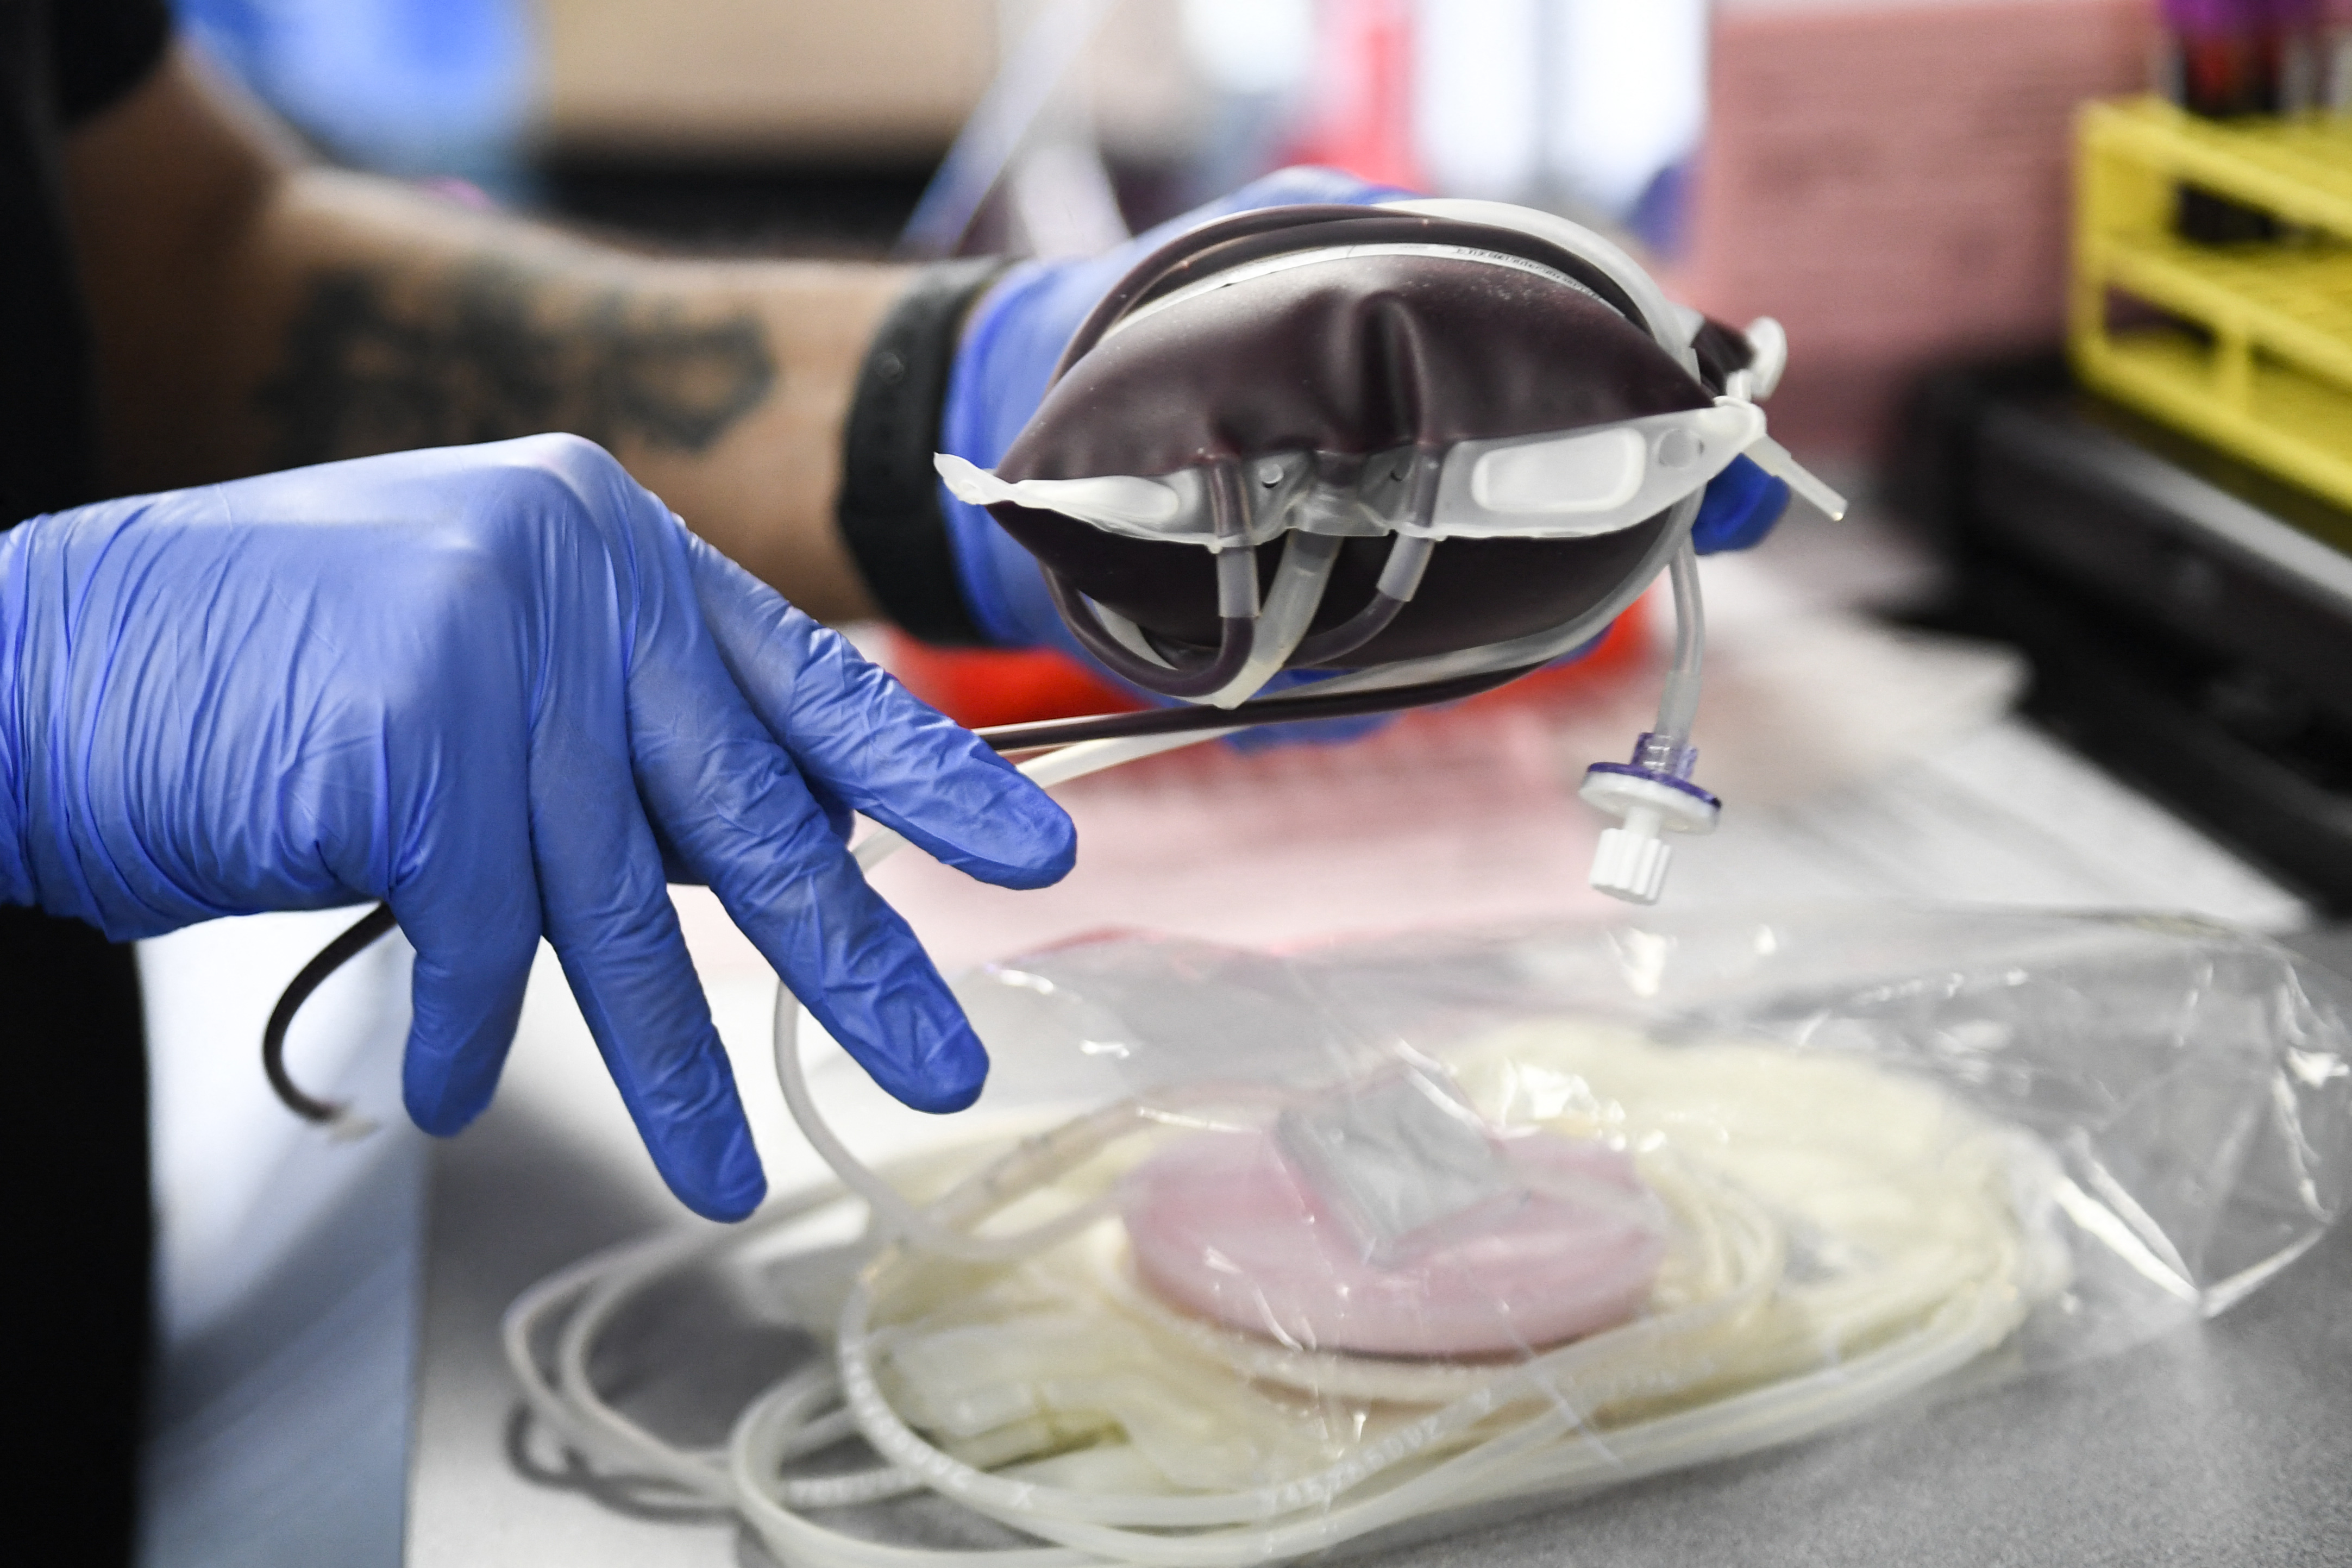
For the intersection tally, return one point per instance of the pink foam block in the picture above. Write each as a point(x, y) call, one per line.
point(1222, 1227)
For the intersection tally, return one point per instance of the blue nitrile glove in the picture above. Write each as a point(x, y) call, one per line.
point(1739, 508)
point(497, 686)
point(1015, 336)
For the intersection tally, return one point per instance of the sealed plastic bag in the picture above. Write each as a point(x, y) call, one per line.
point(1289, 1252)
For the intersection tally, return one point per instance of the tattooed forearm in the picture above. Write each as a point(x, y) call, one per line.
point(482, 357)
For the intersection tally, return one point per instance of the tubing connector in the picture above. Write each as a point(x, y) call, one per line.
point(1652, 793)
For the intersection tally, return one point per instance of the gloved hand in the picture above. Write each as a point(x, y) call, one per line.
point(1739, 508)
point(499, 687)
point(1015, 338)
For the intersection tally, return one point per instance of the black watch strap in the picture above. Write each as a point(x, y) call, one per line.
point(888, 512)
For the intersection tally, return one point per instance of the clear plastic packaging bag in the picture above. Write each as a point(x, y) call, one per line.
point(1290, 1252)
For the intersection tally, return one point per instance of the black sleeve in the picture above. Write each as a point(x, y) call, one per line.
point(889, 510)
point(100, 49)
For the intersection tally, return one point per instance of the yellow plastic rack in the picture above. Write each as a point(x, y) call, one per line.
point(2255, 356)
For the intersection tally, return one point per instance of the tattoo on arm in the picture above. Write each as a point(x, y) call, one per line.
point(481, 359)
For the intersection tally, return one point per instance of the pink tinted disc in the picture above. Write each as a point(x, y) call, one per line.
point(1224, 1227)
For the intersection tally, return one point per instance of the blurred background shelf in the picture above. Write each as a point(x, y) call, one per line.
point(2252, 351)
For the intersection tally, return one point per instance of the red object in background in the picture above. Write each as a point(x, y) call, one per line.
point(981, 687)
point(1361, 115)
point(1625, 645)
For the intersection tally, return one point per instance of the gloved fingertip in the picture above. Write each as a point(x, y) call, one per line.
point(947, 1086)
point(944, 1077)
point(731, 1195)
point(437, 1099)
point(725, 1202)
point(979, 816)
point(709, 1163)
point(462, 1022)
point(736, 1204)
point(1043, 851)
point(445, 1083)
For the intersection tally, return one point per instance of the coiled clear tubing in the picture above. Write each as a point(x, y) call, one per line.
point(1840, 1236)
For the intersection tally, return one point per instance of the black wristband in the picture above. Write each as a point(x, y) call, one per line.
point(889, 512)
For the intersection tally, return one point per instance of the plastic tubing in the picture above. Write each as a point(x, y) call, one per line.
point(1779, 1413)
point(707, 1473)
point(1552, 1377)
point(1121, 645)
point(1524, 1459)
point(1288, 706)
point(331, 1114)
point(1106, 1523)
point(1438, 677)
point(893, 1214)
point(1738, 1245)
point(1658, 313)
point(1961, 1295)
point(588, 1294)
point(1400, 580)
point(558, 1293)
point(1290, 606)
point(1255, 643)
point(1678, 702)
point(1536, 648)
point(998, 127)
point(765, 1437)
point(1527, 1458)
point(695, 1478)
point(1969, 1295)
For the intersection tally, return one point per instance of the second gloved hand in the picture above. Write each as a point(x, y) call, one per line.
point(497, 686)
